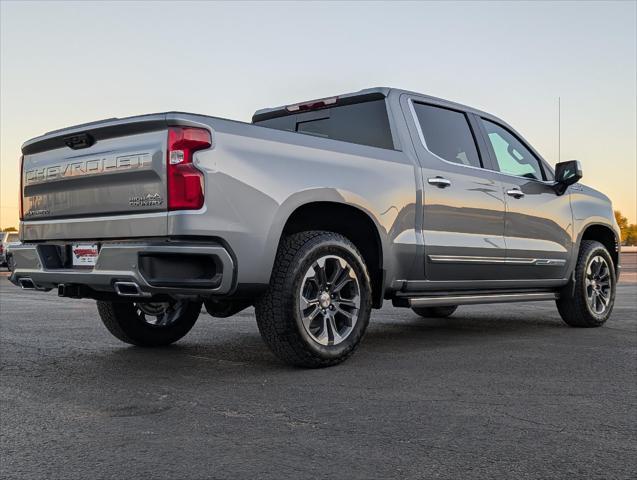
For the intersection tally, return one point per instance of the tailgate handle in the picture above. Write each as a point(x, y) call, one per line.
point(81, 140)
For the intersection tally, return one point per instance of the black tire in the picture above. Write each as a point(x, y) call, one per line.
point(125, 322)
point(278, 310)
point(10, 263)
point(573, 303)
point(435, 312)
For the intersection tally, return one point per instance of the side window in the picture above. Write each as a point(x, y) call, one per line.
point(447, 134)
point(511, 154)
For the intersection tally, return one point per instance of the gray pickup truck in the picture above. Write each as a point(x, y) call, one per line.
point(314, 214)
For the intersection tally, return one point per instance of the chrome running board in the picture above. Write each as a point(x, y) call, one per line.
point(448, 300)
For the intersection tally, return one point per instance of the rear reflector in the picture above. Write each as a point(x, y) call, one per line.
point(185, 182)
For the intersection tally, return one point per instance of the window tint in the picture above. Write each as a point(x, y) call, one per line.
point(364, 123)
point(447, 134)
point(511, 154)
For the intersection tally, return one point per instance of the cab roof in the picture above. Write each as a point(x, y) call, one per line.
point(364, 95)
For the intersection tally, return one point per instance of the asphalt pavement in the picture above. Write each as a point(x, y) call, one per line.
point(496, 391)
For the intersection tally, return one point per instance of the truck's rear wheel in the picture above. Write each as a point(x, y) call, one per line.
point(435, 312)
point(587, 301)
point(149, 324)
point(317, 307)
point(10, 263)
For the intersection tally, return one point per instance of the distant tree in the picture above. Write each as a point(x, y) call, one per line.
point(623, 223)
point(631, 235)
point(10, 229)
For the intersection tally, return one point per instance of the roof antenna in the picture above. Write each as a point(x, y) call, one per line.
point(559, 130)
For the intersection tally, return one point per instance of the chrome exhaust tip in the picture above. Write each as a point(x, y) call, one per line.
point(26, 284)
point(128, 289)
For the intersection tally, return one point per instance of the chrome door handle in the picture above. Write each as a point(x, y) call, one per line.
point(515, 192)
point(439, 182)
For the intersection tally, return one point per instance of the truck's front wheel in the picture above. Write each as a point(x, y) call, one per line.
point(587, 301)
point(149, 324)
point(318, 304)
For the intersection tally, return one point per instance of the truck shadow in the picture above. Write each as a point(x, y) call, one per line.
point(243, 349)
point(229, 351)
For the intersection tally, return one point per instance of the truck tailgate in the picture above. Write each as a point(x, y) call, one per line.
point(113, 170)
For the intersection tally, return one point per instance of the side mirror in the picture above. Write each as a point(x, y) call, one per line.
point(567, 173)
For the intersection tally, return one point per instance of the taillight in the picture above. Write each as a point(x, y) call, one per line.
point(21, 193)
point(185, 182)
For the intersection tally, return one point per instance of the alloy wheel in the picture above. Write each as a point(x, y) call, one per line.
point(159, 314)
point(329, 300)
point(598, 285)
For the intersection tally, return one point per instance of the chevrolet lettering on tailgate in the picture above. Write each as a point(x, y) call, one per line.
point(94, 166)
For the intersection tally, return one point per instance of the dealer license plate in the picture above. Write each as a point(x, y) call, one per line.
point(85, 254)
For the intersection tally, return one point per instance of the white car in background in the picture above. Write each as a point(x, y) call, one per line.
point(7, 240)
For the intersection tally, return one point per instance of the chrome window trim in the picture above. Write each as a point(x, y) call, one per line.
point(421, 136)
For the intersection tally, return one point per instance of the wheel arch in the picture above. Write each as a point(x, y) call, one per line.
point(605, 235)
point(351, 221)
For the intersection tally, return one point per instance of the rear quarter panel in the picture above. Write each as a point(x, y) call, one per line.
point(256, 177)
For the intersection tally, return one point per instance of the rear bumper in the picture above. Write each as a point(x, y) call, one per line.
point(155, 268)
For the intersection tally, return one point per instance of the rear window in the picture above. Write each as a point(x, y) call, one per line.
point(13, 237)
point(364, 123)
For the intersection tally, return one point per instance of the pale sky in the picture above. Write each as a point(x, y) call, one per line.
point(73, 62)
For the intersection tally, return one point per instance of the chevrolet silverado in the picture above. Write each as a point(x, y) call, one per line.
point(314, 214)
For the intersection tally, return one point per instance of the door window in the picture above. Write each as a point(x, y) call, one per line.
point(511, 154)
point(447, 134)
